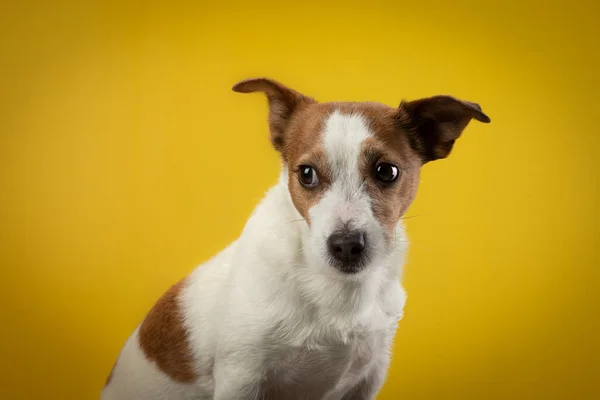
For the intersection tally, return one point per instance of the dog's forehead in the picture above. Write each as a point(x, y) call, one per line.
point(339, 131)
point(343, 137)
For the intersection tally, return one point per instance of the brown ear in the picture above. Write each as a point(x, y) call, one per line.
point(283, 103)
point(434, 123)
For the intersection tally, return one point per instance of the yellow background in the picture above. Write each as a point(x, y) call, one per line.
point(125, 160)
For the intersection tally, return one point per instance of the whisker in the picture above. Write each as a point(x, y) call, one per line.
point(295, 220)
point(412, 216)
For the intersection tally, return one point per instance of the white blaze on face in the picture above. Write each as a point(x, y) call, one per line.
point(342, 139)
point(346, 201)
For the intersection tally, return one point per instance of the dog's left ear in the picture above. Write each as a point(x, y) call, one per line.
point(283, 103)
point(434, 123)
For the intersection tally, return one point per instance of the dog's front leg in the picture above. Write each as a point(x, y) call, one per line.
point(237, 381)
point(371, 384)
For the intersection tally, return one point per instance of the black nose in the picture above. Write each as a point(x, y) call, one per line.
point(346, 246)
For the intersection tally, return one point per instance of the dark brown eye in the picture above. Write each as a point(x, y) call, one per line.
point(308, 176)
point(386, 173)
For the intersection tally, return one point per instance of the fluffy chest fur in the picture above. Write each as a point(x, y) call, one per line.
point(321, 370)
point(323, 357)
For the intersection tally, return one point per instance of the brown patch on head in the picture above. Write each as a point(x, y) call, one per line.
point(406, 137)
point(164, 338)
point(306, 128)
point(388, 144)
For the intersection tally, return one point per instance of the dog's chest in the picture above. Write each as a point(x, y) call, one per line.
point(322, 365)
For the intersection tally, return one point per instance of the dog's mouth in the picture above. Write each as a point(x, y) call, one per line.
point(349, 268)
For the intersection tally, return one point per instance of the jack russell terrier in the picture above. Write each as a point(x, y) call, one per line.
point(305, 303)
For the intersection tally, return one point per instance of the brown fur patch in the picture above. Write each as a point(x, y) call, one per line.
point(164, 339)
point(389, 144)
point(306, 129)
point(407, 137)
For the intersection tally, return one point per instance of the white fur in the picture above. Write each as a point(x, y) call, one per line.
point(346, 201)
point(269, 307)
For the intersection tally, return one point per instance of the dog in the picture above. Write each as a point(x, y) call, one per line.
point(306, 302)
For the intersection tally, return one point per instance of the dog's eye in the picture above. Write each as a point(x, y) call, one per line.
point(386, 172)
point(308, 176)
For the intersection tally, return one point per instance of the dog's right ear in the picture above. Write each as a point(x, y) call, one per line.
point(283, 103)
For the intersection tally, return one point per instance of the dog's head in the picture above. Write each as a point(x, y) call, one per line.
point(354, 167)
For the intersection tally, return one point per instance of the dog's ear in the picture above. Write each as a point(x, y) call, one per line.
point(434, 123)
point(283, 103)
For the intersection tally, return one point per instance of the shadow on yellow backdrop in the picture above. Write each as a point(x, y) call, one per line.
point(125, 160)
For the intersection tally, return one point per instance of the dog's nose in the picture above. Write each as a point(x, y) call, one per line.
point(346, 246)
